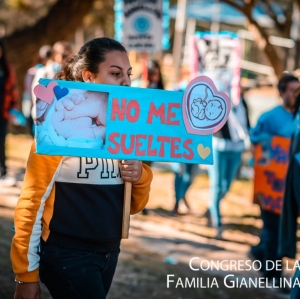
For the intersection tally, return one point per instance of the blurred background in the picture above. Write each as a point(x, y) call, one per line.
point(261, 43)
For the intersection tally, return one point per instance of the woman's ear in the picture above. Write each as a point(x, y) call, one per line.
point(87, 76)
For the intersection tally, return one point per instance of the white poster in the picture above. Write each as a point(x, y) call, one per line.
point(218, 56)
point(143, 25)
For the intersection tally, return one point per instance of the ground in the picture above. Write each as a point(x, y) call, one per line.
point(159, 244)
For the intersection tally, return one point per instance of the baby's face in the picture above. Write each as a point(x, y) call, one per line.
point(213, 109)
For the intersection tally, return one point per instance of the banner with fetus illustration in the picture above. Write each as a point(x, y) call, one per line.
point(270, 168)
point(108, 121)
point(218, 56)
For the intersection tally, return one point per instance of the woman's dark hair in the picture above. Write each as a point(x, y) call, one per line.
point(284, 81)
point(297, 102)
point(89, 57)
point(152, 65)
point(3, 60)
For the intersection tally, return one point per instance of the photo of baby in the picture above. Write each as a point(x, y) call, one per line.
point(77, 119)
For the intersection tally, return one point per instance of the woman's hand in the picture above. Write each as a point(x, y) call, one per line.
point(131, 170)
point(30, 290)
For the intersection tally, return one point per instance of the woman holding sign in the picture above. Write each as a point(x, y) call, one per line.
point(68, 219)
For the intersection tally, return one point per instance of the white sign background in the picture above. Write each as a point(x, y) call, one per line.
point(218, 56)
point(143, 25)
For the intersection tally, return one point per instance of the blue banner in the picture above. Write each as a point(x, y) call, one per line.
point(108, 121)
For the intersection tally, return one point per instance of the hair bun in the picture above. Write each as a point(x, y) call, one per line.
point(66, 71)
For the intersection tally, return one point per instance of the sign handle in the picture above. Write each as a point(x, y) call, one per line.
point(126, 210)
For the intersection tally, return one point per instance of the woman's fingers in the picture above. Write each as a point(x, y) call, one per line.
point(131, 170)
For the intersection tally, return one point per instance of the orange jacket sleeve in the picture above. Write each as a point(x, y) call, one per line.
point(37, 186)
point(140, 190)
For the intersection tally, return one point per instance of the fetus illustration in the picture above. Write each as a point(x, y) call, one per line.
point(206, 109)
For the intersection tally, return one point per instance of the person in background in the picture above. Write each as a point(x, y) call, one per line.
point(44, 55)
point(265, 129)
point(184, 177)
point(60, 51)
point(228, 145)
point(154, 81)
point(184, 173)
point(8, 100)
point(288, 225)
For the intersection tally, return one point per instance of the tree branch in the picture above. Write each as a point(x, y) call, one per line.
point(59, 24)
point(270, 12)
point(261, 37)
point(235, 5)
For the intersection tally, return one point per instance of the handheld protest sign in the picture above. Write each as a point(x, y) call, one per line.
point(118, 122)
point(270, 168)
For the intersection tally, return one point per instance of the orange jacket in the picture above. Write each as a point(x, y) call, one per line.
point(70, 199)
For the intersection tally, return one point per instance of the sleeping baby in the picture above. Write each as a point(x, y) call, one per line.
point(77, 119)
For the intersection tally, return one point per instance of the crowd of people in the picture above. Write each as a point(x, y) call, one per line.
point(278, 235)
point(43, 234)
point(45, 65)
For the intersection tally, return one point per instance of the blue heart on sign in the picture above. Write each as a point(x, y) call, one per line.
point(60, 92)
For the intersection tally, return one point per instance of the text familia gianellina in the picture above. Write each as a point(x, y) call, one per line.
point(234, 279)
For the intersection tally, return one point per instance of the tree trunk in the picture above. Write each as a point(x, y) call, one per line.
point(59, 24)
point(261, 36)
point(264, 45)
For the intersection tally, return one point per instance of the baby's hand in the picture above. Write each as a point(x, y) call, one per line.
point(70, 102)
point(81, 115)
point(89, 104)
point(80, 127)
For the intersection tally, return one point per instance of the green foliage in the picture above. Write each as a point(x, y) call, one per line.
point(19, 4)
